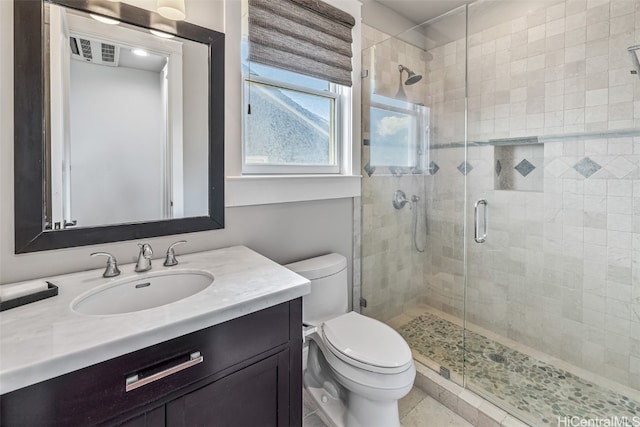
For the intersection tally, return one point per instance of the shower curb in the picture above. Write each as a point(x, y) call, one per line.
point(463, 402)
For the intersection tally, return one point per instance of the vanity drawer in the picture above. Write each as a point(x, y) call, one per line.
point(97, 394)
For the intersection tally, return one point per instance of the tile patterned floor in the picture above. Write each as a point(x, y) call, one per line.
point(419, 410)
point(537, 391)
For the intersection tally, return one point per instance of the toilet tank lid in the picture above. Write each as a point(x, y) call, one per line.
point(319, 267)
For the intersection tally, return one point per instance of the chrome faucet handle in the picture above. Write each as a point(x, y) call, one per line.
point(171, 260)
point(112, 264)
point(144, 258)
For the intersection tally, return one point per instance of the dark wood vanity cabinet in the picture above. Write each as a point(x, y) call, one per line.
point(249, 397)
point(152, 418)
point(250, 375)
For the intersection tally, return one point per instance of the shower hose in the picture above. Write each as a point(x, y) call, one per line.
point(416, 208)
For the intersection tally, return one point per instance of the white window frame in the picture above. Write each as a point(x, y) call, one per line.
point(255, 190)
point(420, 131)
point(336, 93)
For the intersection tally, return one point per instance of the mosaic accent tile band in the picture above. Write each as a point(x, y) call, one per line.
point(571, 137)
point(586, 167)
point(535, 390)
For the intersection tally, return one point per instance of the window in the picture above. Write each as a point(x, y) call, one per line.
point(297, 78)
point(399, 133)
point(292, 123)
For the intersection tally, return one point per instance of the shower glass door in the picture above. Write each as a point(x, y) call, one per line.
point(552, 324)
point(525, 126)
point(413, 267)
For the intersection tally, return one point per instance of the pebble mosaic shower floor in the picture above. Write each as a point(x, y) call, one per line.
point(536, 391)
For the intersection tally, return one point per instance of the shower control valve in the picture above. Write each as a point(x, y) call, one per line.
point(399, 199)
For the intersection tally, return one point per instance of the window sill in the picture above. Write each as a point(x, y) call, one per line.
point(251, 190)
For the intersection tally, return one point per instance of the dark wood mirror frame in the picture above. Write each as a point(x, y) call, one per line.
point(29, 128)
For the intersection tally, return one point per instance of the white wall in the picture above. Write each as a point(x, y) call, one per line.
point(284, 232)
point(382, 18)
point(115, 155)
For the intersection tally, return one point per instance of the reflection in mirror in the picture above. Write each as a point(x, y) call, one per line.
point(118, 151)
point(399, 133)
point(119, 129)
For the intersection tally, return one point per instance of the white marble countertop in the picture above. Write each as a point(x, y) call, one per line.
point(46, 339)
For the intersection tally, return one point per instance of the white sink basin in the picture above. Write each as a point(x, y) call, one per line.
point(142, 292)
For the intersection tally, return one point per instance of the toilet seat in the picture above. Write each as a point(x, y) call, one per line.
point(367, 344)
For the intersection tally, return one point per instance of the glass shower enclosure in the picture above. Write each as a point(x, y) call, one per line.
point(501, 201)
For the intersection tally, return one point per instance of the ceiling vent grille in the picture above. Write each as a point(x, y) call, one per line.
point(94, 51)
point(86, 49)
point(108, 53)
point(74, 46)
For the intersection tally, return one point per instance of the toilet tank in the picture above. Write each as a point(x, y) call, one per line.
point(329, 289)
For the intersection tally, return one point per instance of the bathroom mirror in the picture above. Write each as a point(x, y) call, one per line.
point(115, 138)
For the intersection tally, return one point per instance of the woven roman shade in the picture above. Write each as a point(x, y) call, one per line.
point(309, 37)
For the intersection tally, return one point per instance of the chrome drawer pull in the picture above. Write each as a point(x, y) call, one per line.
point(133, 382)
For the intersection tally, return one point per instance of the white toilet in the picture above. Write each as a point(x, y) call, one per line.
point(355, 368)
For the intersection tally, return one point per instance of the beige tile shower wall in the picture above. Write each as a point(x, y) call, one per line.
point(446, 93)
point(560, 270)
point(392, 270)
point(383, 57)
point(444, 263)
point(557, 70)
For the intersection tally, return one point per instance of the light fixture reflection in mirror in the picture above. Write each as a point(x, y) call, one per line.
point(104, 19)
point(161, 34)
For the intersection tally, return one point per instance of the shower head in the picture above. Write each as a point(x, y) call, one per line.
point(412, 77)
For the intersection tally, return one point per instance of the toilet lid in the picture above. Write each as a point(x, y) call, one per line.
point(366, 340)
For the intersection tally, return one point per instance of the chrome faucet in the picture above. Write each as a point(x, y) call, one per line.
point(171, 260)
point(112, 264)
point(144, 257)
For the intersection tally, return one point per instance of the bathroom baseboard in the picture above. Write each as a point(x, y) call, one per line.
point(463, 402)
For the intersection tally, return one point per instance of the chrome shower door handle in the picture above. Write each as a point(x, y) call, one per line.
point(480, 238)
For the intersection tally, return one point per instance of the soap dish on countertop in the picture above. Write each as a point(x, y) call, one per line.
point(51, 291)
